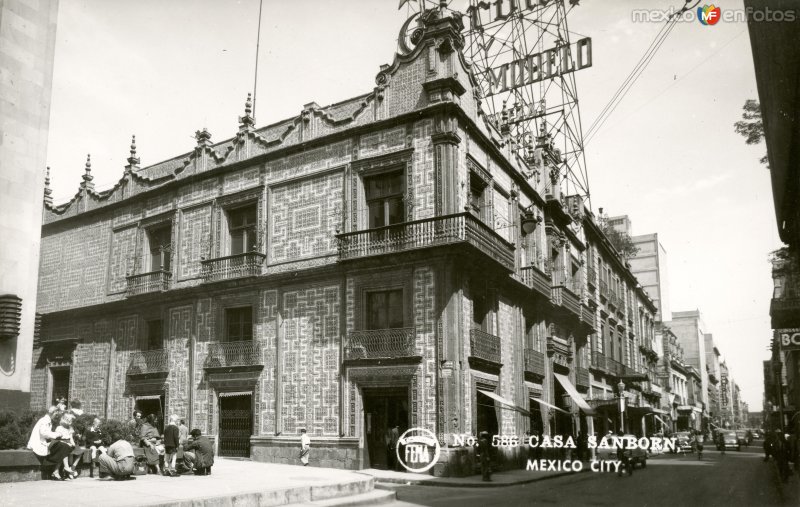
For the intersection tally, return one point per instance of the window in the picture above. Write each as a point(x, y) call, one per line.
point(155, 338)
point(159, 241)
point(384, 194)
point(239, 324)
point(385, 309)
point(242, 223)
point(477, 197)
point(480, 311)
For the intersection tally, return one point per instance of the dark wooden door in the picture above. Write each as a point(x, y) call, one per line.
point(235, 425)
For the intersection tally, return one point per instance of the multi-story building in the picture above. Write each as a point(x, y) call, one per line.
point(689, 327)
point(27, 47)
point(375, 263)
point(725, 397)
point(776, 58)
point(714, 375)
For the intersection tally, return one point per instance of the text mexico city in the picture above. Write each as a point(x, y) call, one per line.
point(609, 442)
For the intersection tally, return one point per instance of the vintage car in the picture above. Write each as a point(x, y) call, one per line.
point(728, 440)
point(741, 437)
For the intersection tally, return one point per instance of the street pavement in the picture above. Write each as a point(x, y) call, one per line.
point(732, 479)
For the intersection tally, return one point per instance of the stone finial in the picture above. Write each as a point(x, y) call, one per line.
point(247, 121)
point(87, 175)
point(133, 160)
point(203, 137)
point(48, 192)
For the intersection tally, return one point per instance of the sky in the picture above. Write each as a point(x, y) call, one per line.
point(668, 156)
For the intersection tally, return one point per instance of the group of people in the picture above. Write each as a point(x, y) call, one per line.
point(173, 452)
point(61, 445)
point(57, 444)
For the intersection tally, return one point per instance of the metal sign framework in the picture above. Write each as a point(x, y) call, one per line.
point(524, 59)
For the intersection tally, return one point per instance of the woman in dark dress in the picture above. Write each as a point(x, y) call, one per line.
point(151, 438)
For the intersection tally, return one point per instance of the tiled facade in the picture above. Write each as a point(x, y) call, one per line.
point(476, 304)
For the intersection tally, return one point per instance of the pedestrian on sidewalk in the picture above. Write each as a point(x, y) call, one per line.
point(484, 449)
point(305, 446)
point(391, 447)
point(171, 442)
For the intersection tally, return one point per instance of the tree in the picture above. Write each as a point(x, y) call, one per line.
point(621, 241)
point(751, 126)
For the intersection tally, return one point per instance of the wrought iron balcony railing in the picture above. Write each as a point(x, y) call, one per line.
point(149, 362)
point(484, 346)
point(604, 288)
point(232, 266)
point(582, 377)
point(381, 344)
point(426, 233)
point(155, 281)
point(534, 362)
point(242, 353)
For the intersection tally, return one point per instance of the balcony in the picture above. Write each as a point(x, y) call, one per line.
point(244, 354)
point(380, 344)
point(614, 368)
point(534, 363)
point(582, 378)
point(461, 228)
point(563, 292)
point(144, 283)
point(232, 266)
point(587, 316)
point(785, 312)
point(485, 348)
point(536, 279)
point(149, 363)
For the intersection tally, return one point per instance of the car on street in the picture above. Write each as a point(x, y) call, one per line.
point(728, 440)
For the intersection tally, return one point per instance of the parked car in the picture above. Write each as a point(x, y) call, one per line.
point(729, 440)
point(683, 441)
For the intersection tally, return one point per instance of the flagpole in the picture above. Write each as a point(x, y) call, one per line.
point(258, 43)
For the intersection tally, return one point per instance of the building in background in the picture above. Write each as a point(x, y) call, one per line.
point(27, 46)
point(776, 57)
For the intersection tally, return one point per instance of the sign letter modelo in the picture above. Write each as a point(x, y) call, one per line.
point(790, 339)
point(537, 67)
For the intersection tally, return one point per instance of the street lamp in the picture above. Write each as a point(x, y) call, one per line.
point(529, 221)
point(621, 391)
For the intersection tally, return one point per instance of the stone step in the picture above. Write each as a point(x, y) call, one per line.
point(375, 497)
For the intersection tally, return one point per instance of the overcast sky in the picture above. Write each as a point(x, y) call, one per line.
point(668, 157)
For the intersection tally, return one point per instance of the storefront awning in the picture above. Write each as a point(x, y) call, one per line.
point(542, 402)
point(574, 394)
point(646, 410)
point(508, 404)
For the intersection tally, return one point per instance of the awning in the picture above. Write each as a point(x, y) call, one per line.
point(574, 394)
point(509, 404)
point(646, 410)
point(542, 402)
point(228, 394)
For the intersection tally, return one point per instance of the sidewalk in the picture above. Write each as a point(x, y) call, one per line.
point(233, 482)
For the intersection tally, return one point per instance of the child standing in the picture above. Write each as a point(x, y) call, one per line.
point(172, 439)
